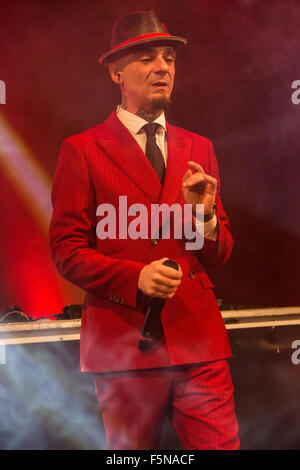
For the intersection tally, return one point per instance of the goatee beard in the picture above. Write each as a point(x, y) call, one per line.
point(160, 103)
point(154, 108)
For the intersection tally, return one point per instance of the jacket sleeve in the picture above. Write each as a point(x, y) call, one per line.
point(215, 253)
point(72, 233)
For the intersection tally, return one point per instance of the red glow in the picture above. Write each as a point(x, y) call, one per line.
point(29, 276)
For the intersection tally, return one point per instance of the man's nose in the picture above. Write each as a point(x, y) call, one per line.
point(160, 65)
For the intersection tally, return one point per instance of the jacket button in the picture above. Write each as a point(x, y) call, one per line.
point(154, 242)
point(192, 274)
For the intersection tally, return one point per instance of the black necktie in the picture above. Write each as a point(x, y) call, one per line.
point(153, 151)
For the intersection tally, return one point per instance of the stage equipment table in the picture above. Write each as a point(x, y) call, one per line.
point(40, 383)
point(42, 331)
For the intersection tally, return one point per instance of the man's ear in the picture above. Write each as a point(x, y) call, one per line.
point(114, 72)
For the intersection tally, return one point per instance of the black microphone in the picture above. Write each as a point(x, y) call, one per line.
point(153, 313)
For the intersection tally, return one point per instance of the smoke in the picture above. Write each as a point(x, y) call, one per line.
point(45, 403)
point(266, 387)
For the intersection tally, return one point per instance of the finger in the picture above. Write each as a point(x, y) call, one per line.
point(166, 283)
point(163, 292)
point(187, 174)
point(212, 180)
point(196, 166)
point(199, 168)
point(158, 290)
point(170, 273)
point(201, 179)
point(195, 179)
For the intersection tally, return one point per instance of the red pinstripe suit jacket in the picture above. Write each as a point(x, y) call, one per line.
point(96, 167)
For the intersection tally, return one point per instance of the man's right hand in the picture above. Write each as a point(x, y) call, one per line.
point(158, 280)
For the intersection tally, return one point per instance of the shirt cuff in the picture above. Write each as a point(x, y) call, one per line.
point(210, 228)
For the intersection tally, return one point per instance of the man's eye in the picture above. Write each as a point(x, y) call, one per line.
point(146, 59)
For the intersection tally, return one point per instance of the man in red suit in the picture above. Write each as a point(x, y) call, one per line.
point(182, 371)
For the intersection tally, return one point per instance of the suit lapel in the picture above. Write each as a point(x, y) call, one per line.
point(121, 147)
point(179, 151)
point(117, 142)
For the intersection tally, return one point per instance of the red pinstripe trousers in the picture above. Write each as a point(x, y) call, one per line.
point(198, 400)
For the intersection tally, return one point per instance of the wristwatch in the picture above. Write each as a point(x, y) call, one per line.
point(209, 216)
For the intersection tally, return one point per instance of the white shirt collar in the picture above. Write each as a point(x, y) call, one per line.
point(134, 123)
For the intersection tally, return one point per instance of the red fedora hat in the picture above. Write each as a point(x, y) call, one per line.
point(139, 27)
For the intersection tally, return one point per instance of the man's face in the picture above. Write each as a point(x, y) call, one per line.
point(147, 77)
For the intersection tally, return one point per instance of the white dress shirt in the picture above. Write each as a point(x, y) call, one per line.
point(134, 125)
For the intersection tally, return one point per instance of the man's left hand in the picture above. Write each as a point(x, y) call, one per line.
point(199, 188)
